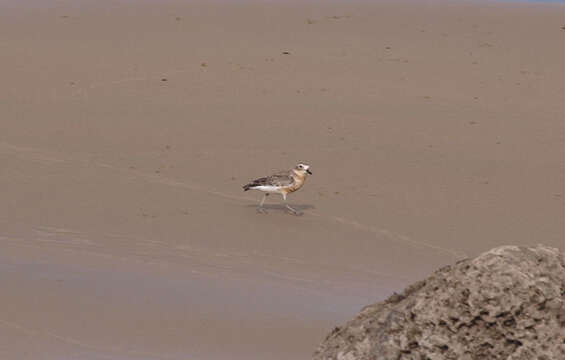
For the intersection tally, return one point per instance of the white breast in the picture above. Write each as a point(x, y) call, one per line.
point(268, 188)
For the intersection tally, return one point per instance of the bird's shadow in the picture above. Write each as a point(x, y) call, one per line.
point(282, 207)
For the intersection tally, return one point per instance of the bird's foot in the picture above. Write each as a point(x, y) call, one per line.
point(261, 210)
point(294, 211)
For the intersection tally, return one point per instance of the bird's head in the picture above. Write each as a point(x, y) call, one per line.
point(303, 169)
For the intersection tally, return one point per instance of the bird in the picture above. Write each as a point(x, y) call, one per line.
point(283, 182)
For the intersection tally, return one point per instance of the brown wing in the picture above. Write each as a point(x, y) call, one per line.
point(278, 179)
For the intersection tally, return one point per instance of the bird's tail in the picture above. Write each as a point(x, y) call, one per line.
point(247, 187)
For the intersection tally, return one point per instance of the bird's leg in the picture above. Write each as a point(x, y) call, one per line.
point(260, 208)
point(292, 210)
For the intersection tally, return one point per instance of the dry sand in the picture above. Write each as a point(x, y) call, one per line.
point(435, 130)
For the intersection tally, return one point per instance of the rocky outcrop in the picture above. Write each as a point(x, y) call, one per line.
point(508, 303)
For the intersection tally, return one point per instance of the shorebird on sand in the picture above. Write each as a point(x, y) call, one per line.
point(283, 183)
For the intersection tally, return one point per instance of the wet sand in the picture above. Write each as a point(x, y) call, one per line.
point(435, 131)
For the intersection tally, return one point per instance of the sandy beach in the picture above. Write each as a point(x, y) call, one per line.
point(435, 131)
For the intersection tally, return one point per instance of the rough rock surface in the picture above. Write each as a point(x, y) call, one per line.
point(508, 303)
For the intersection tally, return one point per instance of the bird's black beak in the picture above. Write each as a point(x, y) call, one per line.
point(309, 172)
